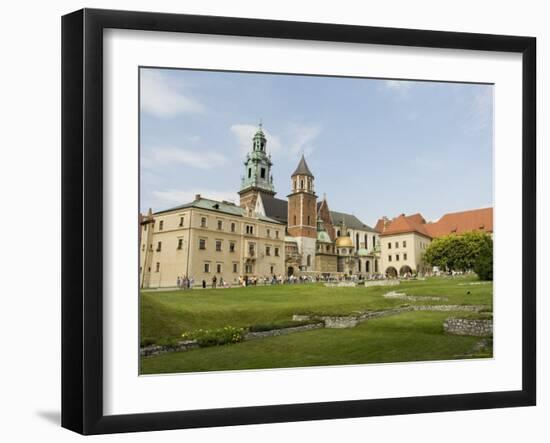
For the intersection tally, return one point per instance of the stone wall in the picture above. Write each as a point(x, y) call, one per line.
point(446, 308)
point(341, 284)
point(403, 296)
point(181, 346)
point(334, 322)
point(376, 314)
point(284, 331)
point(369, 283)
point(350, 321)
point(466, 326)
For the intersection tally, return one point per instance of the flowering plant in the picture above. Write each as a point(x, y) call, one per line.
point(215, 337)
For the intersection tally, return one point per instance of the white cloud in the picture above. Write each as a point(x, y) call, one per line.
point(194, 158)
point(296, 139)
point(245, 133)
point(163, 96)
point(478, 110)
point(176, 196)
point(301, 138)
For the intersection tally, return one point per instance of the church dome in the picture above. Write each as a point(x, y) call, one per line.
point(323, 237)
point(344, 242)
point(362, 252)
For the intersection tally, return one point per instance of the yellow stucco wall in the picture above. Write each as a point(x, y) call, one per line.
point(410, 245)
point(189, 260)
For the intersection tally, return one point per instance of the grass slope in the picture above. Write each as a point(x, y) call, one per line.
point(412, 336)
point(164, 316)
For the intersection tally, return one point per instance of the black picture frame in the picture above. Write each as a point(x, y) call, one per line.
point(82, 219)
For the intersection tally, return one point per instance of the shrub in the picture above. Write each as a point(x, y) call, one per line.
point(216, 337)
point(484, 264)
point(167, 341)
point(147, 342)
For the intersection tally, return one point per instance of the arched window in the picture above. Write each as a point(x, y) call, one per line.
point(301, 184)
point(309, 260)
point(359, 265)
point(366, 242)
point(367, 266)
point(338, 233)
point(376, 265)
point(356, 241)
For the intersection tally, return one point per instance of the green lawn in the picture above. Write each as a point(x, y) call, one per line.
point(409, 336)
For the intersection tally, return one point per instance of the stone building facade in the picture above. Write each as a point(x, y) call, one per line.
point(405, 238)
point(205, 239)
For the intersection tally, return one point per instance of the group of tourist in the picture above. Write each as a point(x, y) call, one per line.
point(244, 281)
point(185, 282)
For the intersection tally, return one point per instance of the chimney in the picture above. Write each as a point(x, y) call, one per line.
point(197, 197)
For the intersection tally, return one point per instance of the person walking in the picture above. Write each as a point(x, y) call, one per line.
point(214, 280)
point(178, 282)
point(204, 284)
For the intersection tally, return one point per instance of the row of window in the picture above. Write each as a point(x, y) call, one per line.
point(397, 244)
point(397, 257)
point(309, 183)
point(251, 247)
point(219, 268)
point(262, 172)
point(308, 221)
point(367, 266)
point(366, 238)
point(220, 223)
point(328, 248)
point(202, 245)
point(248, 268)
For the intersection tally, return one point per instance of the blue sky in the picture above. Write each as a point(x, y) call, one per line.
point(376, 147)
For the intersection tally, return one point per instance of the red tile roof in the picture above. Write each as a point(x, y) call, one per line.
point(461, 222)
point(405, 223)
point(456, 222)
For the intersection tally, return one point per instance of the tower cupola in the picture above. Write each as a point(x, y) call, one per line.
point(302, 178)
point(257, 176)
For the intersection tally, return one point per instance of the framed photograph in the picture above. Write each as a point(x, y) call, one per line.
point(269, 221)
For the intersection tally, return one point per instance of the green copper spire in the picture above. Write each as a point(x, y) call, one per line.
point(257, 172)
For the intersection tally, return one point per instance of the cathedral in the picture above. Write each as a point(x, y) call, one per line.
point(318, 241)
point(212, 241)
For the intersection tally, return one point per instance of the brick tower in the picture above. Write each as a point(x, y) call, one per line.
point(302, 214)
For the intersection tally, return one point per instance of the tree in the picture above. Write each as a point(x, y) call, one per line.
point(484, 264)
point(462, 252)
